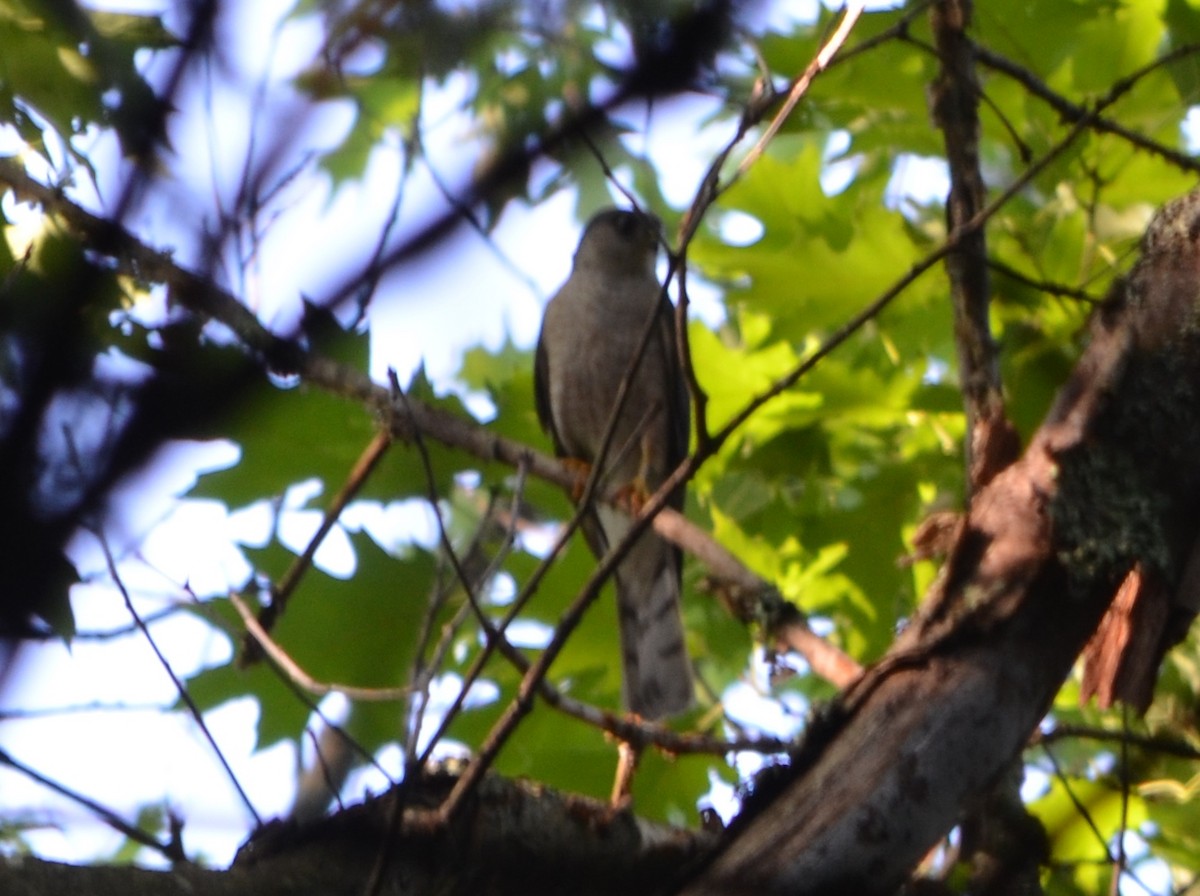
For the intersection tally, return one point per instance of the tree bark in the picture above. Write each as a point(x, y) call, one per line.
point(512, 837)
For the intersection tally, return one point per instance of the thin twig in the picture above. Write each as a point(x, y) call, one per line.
point(1086, 815)
point(1071, 111)
point(444, 644)
point(523, 596)
point(800, 87)
point(1152, 744)
point(171, 850)
point(421, 674)
point(50, 712)
point(609, 174)
point(1049, 287)
point(107, 634)
point(314, 707)
point(297, 675)
point(180, 687)
point(432, 497)
point(1120, 868)
point(281, 591)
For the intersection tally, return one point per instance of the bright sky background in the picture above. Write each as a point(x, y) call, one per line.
point(429, 313)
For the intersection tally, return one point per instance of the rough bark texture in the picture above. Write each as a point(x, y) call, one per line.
point(512, 838)
point(1110, 481)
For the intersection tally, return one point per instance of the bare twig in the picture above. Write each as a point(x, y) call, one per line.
point(480, 661)
point(422, 671)
point(800, 86)
point(523, 596)
point(432, 497)
point(1045, 286)
point(1164, 746)
point(1073, 112)
point(291, 669)
point(107, 634)
point(1080, 808)
point(97, 706)
point(171, 850)
point(281, 591)
point(1120, 866)
point(180, 687)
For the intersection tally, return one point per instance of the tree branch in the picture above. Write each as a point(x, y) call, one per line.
point(1071, 111)
point(991, 442)
point(518, 838)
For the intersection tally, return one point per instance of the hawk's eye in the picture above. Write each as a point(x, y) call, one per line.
point(627, 224)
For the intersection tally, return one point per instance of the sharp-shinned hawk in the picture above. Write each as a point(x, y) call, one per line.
point(589, 341)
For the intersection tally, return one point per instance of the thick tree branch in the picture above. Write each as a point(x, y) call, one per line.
point(1111, 479)
point(516, 838)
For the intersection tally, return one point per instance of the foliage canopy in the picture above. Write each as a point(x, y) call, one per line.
point(111, 349)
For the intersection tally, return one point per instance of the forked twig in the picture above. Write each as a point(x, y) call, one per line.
point(294, 673)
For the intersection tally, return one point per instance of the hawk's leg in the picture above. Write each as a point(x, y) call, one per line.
point(581, 470)
point(627, 760)
point(632, 496)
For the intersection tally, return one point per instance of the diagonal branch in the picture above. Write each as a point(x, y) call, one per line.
point(281, 591)
point(257, 634)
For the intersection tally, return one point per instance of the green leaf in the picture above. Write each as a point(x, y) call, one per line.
point(359, 632)
point(506, 376)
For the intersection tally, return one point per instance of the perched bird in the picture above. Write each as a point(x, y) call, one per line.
point(589, 340)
